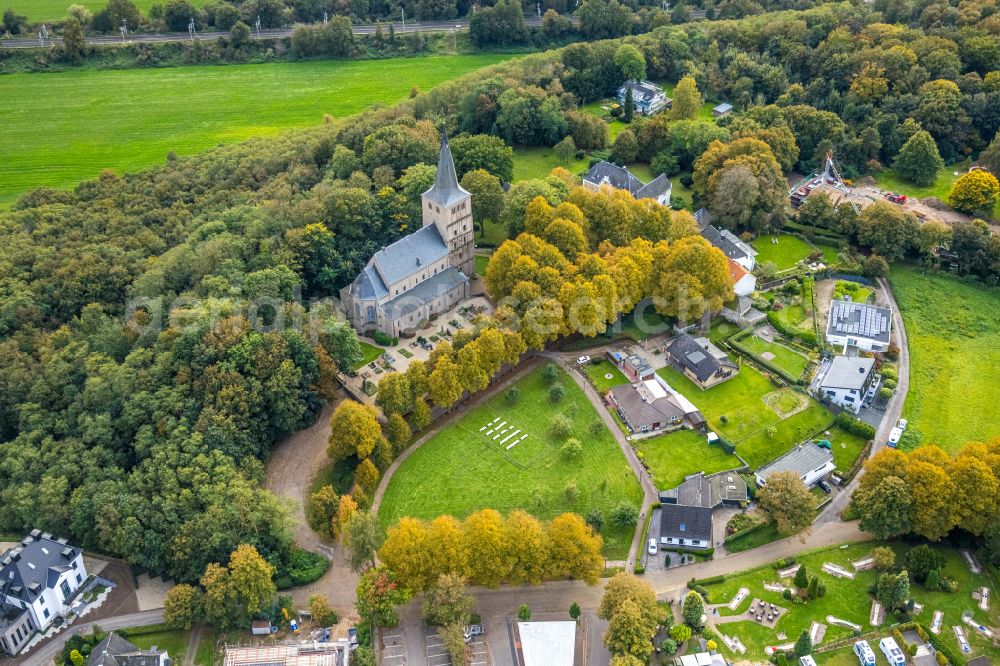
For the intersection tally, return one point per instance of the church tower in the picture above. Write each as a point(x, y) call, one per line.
point(449, 208)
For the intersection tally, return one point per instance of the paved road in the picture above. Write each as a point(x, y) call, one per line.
point(831, 513)
point(415, 26)
point(46, 653)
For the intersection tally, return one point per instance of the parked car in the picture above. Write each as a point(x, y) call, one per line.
point(902, 424)
point(652, 547)
point(583, 360)
point(473, 630)
point(824, 486)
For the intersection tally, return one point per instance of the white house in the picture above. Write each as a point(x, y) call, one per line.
point(744, 282)
point(606, 173)
point(647, 97)
point(849, 381)
point(810, 461)
point(859, 325)
point(38, 579)
point(731, 245)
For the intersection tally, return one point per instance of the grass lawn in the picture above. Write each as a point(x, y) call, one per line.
point(741, 401)
point(755, 539)
point(786, 253)
point(494, 235)
point(206, 649)
point(174, 641)
point(54, 10)
point(786, 358)
point(846, 447)
point(849, 600)
point(889, 180)
point(681, 194)
point(461, 470)
point(537, 162)
point(675, 455)
point(953, 331)
point(597, 373)
point(859, 293)
point(369, 353)
point(481, 263)
point(128, 119)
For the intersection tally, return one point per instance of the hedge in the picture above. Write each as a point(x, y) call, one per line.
point(807, 337)
point(303, 567)
point(854, 426)
point(745, 531)
point(846, 477)
point(788, 377)
point(711, 580)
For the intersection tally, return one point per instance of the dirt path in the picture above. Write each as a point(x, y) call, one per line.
point(823, 290)
point(194, 639)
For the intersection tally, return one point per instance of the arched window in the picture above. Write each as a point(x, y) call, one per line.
point(371, 313)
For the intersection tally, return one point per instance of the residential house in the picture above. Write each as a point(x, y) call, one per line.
point(723, 109)
point(726, 489)
point(700, 360)
point(686, 526)
point(859, 325)
point(116, 651)
point(606, 173)
point(849, 381)
point(645, 406)
point(632, 366)
point(744, 282)
point(731, 245)
point(38, 580)
point(423, 274)
point(647, 97)
point(740, 311)
point(810, 461)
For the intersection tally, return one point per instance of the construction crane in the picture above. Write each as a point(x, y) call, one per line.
point(829, 176)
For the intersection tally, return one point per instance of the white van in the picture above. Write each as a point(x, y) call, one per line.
point(865, 654)
point(893, 653)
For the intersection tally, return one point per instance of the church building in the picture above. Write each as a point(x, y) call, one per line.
point(424, 273)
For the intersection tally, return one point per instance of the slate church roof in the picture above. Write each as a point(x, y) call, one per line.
point(445, 191)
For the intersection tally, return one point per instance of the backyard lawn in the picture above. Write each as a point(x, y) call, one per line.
point(675, 455)
point(786, 358)
point(369, 353)
point(537, 162)
point(859, 293)
point(953, 331)
point(461, 469)
point(174, 641)
point(845, 447)
point(849, 600)
point(737, 410)
point(604, 375)
point(785, 254)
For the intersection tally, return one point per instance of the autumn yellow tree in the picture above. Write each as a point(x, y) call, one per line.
point(687, 100)
point(345, 509)
point(445, 383)
point(483, 533)
point(691, 277)
point(354, 430)
point(975, 191)
point(574, 549)
point(407, 552)
point(528, 548)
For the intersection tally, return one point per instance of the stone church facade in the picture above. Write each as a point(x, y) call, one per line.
point(424, 273)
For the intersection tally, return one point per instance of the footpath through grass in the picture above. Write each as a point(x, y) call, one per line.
point(462, 469)
point(849, 600)
point(737, 410)
point(64, 127)
point(953, 330)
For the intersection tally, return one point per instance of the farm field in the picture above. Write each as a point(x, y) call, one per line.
point(675, 455)
point(786, 358)
point(129, 119)
point(461, 470)
point(953, 331)
point(737, 410)
point(54, 10)
point(849, 600)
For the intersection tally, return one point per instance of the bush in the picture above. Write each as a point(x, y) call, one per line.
point(550, 373)
point(300, 568)
point(556, 393)
point(524, 613)
point(854, 426)
point(624, 515)
point(381, 338)
point(512, 395)
point(571, 448)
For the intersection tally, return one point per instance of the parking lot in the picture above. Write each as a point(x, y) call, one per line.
point(437, 655)
point(393, 647)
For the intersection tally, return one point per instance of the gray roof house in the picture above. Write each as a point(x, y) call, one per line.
point(866, 327)
point(686, 526)
point(700, 360)
point(606, 173)
point(722, 109)
point(731, 245)
point(647, 97)
point(644, 408)
point(116, 651)
point(809, 460)
point(424, 273)
point(39, 578)
point(713, 490)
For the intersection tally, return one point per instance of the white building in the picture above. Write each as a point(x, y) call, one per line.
point(38, 579)
point(744, 282)
point(547, 643)
point(849, 381)
point(731, 245)
point(810, 461)
point(647, 97)
point(863, 651)
point(859, 325)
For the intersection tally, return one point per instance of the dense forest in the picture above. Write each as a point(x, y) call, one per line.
point(159, 331)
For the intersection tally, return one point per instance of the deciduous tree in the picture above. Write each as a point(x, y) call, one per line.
point(974, 192)
point(918, 160)
point(354, 430)
point(687, 100)
point(183, 606)
point(788, 502)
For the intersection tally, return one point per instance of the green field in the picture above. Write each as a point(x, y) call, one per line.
point(786, 358)
point(461, 470)
point(747, 417)
point(673, 456)
point(130, 119)
point(55, 10)
point(889, 180)
point(953, 331)
point(849, 600)
point(537, 162)
point(597, 374)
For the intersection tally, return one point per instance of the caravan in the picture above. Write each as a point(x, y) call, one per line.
point(893, 654)
point(866, 656)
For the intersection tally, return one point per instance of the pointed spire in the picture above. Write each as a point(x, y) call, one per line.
point(446, 188)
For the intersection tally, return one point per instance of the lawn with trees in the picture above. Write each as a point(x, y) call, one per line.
point(788, 251)
point(127, 119)
point(460, 470)
point(737, 411)
point(673, 456)
point(953, 330)
point(850, 599)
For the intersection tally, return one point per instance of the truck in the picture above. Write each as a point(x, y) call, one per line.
point(894, 435)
